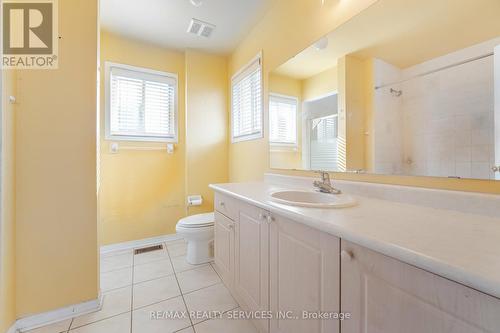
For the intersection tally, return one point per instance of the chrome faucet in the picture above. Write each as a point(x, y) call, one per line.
point(325, 185)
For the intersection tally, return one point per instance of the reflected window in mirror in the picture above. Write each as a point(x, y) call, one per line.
point(320, 119)
point(283, 121)
point(324, 148)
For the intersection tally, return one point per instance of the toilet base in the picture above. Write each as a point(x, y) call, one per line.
point(199, 252)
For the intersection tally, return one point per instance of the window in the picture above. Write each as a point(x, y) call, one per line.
point(246, 103)
point(324, 150)
point(141, 104)
point(283, 120)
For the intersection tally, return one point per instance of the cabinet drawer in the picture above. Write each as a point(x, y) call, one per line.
point(226, 205)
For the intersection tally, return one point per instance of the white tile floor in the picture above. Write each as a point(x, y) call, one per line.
point(135, 286)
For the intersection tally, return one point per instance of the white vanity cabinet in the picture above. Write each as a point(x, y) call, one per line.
point(271, 263)
point(242, 254)
point(304, 276)
point(385, 295)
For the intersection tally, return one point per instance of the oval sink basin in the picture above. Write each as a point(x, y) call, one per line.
point(313, 199)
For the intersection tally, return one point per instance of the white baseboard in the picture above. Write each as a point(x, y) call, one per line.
point(51, 317)
point(138, 243)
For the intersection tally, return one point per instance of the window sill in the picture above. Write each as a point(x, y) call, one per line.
point(290, 148)
point(249, 137)
point(140, 139)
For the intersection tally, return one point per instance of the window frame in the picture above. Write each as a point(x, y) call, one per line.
point(260, 134)
point(285, 145)
point(107, 117)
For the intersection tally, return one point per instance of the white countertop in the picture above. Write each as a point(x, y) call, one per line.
point(462, 247)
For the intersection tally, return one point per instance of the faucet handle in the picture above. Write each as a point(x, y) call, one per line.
point(325, 176)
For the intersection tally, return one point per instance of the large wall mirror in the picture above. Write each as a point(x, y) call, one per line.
point(404, 88)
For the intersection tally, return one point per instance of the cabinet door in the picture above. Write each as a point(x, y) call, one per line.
point(304, 276)
point(224, 248)
point(251, 284)
point(385, 295)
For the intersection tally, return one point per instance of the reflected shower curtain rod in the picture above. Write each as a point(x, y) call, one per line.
point(436, 70)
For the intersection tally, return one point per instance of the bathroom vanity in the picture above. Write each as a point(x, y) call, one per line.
point(411, 264)
point(394, 107)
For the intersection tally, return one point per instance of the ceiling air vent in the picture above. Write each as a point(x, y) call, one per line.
point(200, 28)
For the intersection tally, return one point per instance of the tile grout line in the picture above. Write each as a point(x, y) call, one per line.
point(172, 297)
point(156, 278)
point(223, 312)
point(71, 323)
point(182, 294)
point(195, 290)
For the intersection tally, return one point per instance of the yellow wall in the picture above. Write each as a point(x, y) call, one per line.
point(287, 28)
point(56, 206)
point(206, 126)
point(142, 193)
point(8, 231)
point(320, 84)
point(279, 157)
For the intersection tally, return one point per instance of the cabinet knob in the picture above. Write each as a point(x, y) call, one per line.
point(346, 255)
point(495, 168)
point(222, 204)
point(262, 216)
point(270, 219)
point(231, 226)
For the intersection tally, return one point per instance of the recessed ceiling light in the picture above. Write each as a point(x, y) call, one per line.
point(196, 3)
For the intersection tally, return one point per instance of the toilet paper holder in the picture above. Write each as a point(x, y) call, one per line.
point(194, 200)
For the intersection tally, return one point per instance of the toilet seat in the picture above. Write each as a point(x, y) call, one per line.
point(197, 221)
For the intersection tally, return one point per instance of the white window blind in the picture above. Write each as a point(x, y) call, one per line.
point(324, 150)
point(282, 120)
point(142, 104)
point(246, 103)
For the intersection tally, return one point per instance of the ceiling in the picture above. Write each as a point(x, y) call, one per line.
point(165, 22)
point(403, 33)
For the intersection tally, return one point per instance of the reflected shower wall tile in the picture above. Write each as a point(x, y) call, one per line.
point(463, 139)
point(433, 167)
point(441, 125)
point(483, 120)
point(482, 137)
point(463, 169)
point(481, 153)
point(463, 154)
point(447, 166)
point(480, 170)
point(463, 123)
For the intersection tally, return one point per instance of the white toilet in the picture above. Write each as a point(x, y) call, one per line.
point(198, 231)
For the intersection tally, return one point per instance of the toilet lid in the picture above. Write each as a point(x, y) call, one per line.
point(198, 221)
